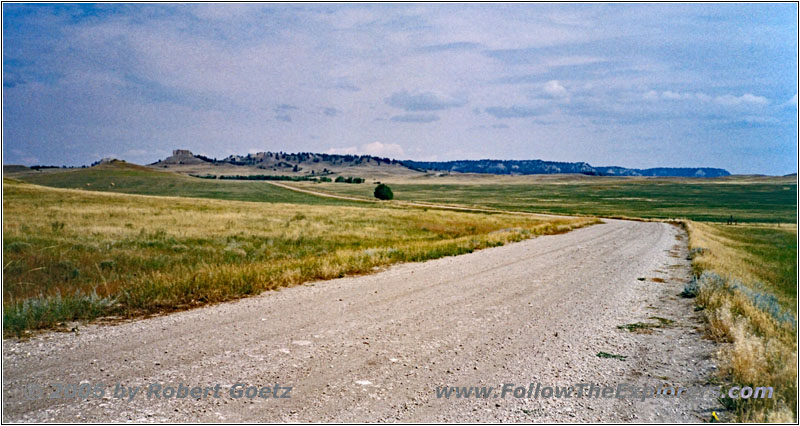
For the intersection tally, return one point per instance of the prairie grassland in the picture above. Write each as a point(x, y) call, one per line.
point(765, 200)
point(763, 254)
point(747, 287)
point(74, 254)
point(749, 199)
point(133, 179)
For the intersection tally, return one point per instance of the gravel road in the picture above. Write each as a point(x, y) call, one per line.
point(375, 348)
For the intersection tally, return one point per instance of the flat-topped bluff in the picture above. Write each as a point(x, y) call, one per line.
point(536, 167)
point(308, 163)
point(284, 164)
point(311, 165)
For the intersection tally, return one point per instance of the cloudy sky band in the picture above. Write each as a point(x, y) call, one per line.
point(612, 84)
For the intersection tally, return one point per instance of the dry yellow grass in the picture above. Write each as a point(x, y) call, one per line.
point(73, 254)
point(729, 256)
point(760, 349)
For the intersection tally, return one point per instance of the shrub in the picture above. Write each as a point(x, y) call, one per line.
point(349, 179)
point(690, 289)
point(697, 251)
point(383, 192)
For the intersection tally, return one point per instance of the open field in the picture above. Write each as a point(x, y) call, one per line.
point(73, 254)
point(763, 254)
point(747, 287)
point(748, 199)
point(133, 179)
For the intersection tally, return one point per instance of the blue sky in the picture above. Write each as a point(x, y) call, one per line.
point(610, 84)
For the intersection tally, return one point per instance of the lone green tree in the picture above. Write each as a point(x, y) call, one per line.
point(383, 192)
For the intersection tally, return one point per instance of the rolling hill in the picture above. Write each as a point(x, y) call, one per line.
point(537, 167)
point(313, 164)
point(285, 164)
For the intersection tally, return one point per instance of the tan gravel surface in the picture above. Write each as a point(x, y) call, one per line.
point(374, 348)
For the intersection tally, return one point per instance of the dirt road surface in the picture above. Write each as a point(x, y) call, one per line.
point(375, 348)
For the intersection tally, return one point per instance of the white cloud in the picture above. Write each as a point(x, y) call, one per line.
point(792, 102)
point(555, 90)
point(747, 98)
point(348, 150)
point(725, 100)
point(650, 96)
point(378, 149)
point(381, 149)
point(676, 96)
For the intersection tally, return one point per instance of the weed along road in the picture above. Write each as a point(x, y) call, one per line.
point(550, 310)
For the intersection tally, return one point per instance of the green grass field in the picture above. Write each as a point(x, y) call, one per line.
point(771, 256)
point(133, 179)
point(714, 200)
point(702, 200)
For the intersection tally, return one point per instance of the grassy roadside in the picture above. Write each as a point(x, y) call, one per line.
point(747, 281)
point(74, 254)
